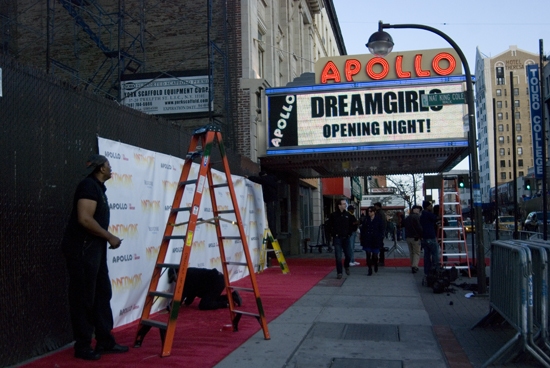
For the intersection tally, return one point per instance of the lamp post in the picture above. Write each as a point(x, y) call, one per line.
point(381, 43)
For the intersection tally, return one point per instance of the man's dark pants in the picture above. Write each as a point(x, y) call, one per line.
point(341, 245)
point(90, 295)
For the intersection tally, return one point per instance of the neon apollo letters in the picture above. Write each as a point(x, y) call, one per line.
point(352, 67)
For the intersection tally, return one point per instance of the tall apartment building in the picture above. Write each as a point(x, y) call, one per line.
point(512, 112)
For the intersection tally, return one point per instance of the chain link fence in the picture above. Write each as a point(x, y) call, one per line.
point(48, 129)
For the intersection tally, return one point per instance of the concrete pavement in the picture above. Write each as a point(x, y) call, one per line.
point(385, 320)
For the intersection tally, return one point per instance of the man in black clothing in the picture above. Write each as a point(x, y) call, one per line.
point(207, 285)
point(382, 214)
point(85, 248)
point(340, 224)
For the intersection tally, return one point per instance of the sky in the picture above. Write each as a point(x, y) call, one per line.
point(490, 25)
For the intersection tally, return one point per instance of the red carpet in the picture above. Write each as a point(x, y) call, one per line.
point(201, 339)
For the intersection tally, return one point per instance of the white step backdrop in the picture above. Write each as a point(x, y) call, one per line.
point(140, 192)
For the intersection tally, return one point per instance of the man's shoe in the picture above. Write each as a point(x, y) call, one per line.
point(115, 349)
point(347, 270)
point(87, 354)
point(414, 269)
point(237, 298)
point(339, 276)
point(370, 272)
point(376, 267)
point(352, 264)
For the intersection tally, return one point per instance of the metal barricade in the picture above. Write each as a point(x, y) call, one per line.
point(511, 296)
point(541, 302)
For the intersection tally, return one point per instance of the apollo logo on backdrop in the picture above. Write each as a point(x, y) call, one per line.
point(115, 156)
point(121, 207)
point(166, 166)
point(128, 309)
point(154, 229)
point(144, 160)
point(124, 230)
point(125, 283)
point(122, 258)
point(150, 205)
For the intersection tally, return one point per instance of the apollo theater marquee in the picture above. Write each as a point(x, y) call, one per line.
point(364, 115)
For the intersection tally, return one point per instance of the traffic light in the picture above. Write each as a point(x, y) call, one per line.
point(460, 182)
point(528, 184)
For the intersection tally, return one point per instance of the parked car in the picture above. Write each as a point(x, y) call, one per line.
point(533, 222)
point(504, 223)
point(469, 226)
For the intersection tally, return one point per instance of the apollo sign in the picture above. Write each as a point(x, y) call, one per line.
point(397, 65)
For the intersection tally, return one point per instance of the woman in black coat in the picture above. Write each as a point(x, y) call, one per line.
point(372, 237)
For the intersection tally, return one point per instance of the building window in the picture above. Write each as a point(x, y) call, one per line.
point(499, 116)
point(501, 151)
point(499, 104)
point(520, 163)
point(518, 138)
point(516, 91)
point(500, 128)
point(517, 114)
point(503, 176)
point(520, 151)
point(261, 53)
point(499, 92)
point(502, 163)
point(516, 103)
point(521, 173)
point(501, 139)
point(518, 127)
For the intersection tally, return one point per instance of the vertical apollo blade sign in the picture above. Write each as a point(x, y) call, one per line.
point(283, 121)
point(537, 126)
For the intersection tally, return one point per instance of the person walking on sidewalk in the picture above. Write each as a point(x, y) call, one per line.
point(352, 237)
point(428, 220)
point(382, 214)
point(413, 234)
point(340, 225)
point(372, 238)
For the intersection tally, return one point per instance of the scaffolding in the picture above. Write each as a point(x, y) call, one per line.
point(93, 44)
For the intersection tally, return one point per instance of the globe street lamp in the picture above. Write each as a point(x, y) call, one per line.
point(381, 43)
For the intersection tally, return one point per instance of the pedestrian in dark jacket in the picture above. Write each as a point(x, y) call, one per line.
point(413, 234)
point(372, 238)
point(340, 224)
point(428, 220)
point(382, 214)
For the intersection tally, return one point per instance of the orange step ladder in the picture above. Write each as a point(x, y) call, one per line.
point(206, 137)
point(451, 234)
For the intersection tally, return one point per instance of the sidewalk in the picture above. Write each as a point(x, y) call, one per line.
point(385, 320)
